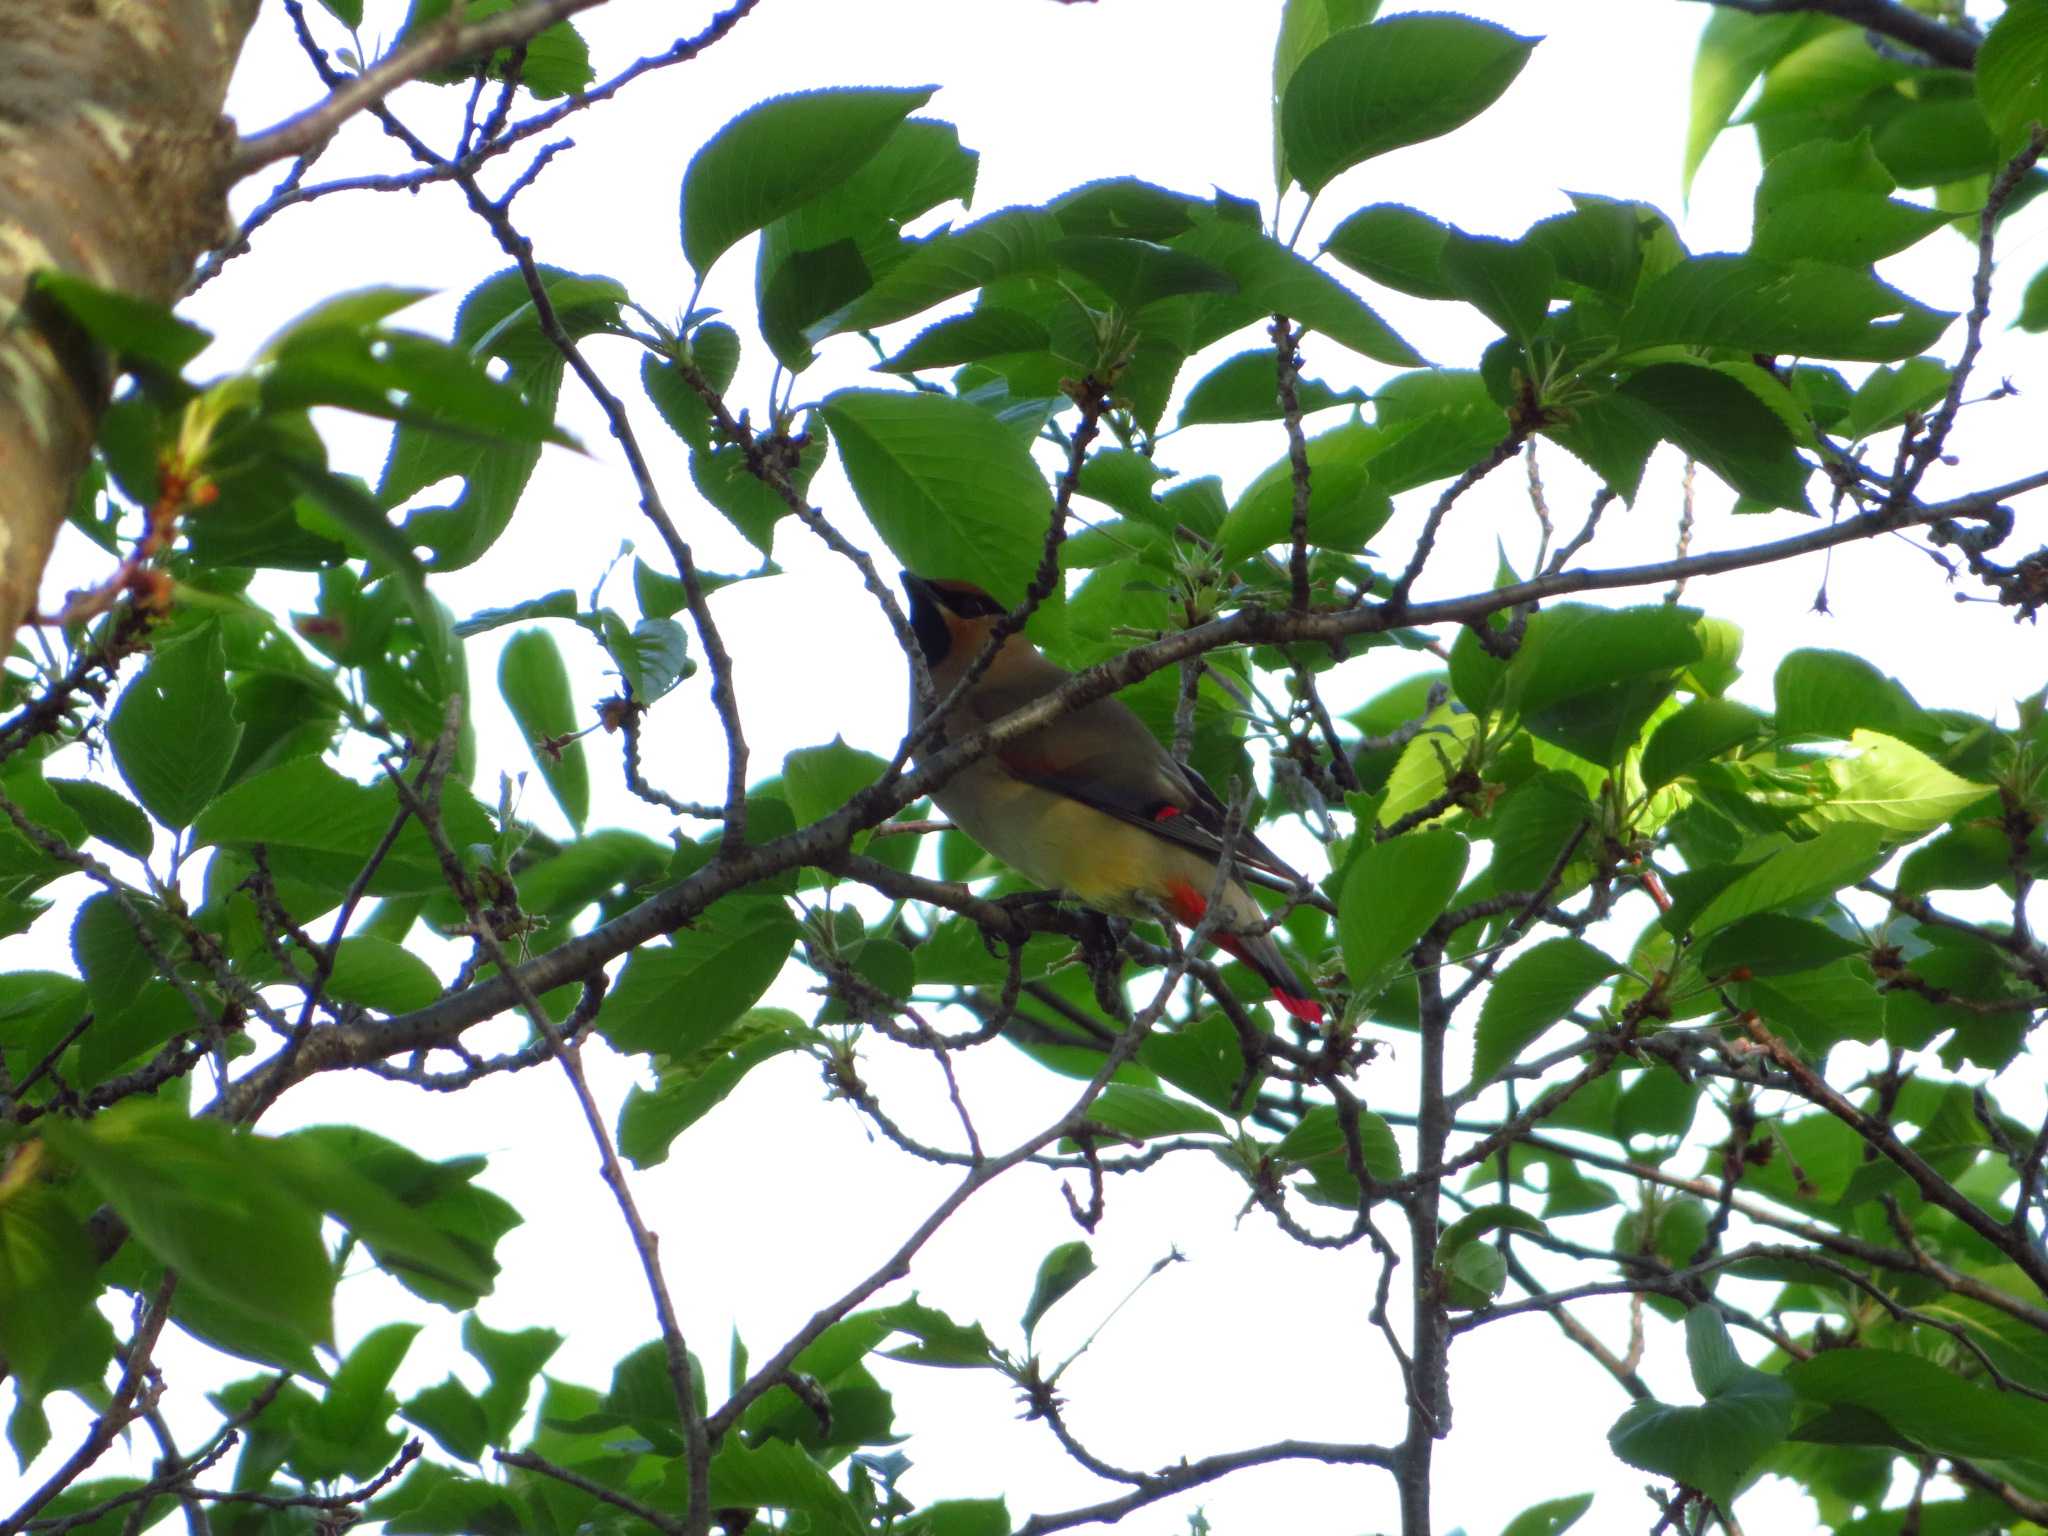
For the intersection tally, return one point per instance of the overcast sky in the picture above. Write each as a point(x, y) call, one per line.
point(779, 1199)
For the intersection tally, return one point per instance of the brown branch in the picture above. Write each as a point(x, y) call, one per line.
point(1950, 46)
point(439, 45)
point(1288, 367)
point(1193, 1474)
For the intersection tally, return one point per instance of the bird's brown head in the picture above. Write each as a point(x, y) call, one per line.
point(950, 618)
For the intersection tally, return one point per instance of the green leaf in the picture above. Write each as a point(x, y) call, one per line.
point(1475, 1272)
point(425, 1223)
point(988, 331)
point(960, 1517)
point(210, 1204)
point(1827, 200)
point(1394, 891)
point(1842, 854)
point(1819, 1007)
point(2012, 72)
point(174, 731)
point(498, 320)
point(1345, 508)
point(1575, 650)
point(1124, 205)
point(1930, 1406)
point(714, 349)
point(345, 511)
point(1319, 1135)
point(1887, 396)
point(562, 604)
point(951, 493)
point(693, 1083)
point(1712, 1447)
point(1246, 387)
point(1274, 280)
point(1535, 990)
point(1751, 305)
point(1735, 48)
point(820, 780)
point(724, 478)
point(451, 1414)
point(1832, 693)
point(1721, 423)
point(1140, 1114)
point(1704, 729)
point(680, 997)
point(1508, 281)
point(1135, 273)
point(132, 328)
point(1304, 26)
point(777, 156)
point(1891, 785)
point(380, 974)
point(1772, 944)
point(779, 1475)
point(535, 686)
point(1553, 1517)
point(323, 827)
point(1371, 89)
point(1395, 246)
point(1012, 241)
point(1058, 1273)
point(1432, 424)
point(48, 1281)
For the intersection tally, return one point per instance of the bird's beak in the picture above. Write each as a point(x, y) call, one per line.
point(919, 589)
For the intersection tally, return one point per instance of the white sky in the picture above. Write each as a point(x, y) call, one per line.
point(779, 1199)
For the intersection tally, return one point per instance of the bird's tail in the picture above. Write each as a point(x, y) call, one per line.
point(1258, 951)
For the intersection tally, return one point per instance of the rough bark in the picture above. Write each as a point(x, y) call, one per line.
point(114, 167)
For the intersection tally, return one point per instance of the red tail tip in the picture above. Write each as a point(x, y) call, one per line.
point(1306, 1009)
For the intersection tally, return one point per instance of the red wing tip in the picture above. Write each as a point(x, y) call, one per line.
point(1306, 1009)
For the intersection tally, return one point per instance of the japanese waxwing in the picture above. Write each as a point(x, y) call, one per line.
point(1091, 803)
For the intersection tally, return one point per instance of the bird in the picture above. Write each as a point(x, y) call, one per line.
point(1089, 803)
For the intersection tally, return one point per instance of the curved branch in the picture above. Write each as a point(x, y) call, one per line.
point(1888, 18)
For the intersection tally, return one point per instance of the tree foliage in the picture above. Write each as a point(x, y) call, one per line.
point(1702, 1000)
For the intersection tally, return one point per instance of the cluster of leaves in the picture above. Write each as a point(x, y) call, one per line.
point(1490, 826)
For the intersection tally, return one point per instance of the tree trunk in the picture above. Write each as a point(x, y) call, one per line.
point(113, 167)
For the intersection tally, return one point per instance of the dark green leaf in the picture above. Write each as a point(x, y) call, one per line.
point(131, 327)
point(1371, 89)
point(725, 479)
point(1752, 305)
point(1135, 273)
point(535, 686)
point(680, 997)
point(1058, 1273)
point(777, 156)
point(1553, 1517)
point(950, 492)
point(930, 271)
point(1140, 1114)
point(1508, 281)
point(1928, 1405)
point(1392, 894)
point(989, 331)
point(1247, 388)
point(714, 350)
point(1841, 855)
point(1704, 729)
point(693, 1084)
point(1714, 1446)
point(1531, 993)
point(174, 730)
point(2012, 72)
point(1718, 421)
point(1345, 508)
point(1274, 280)
point(210, 1204)
point(1396, 246)
point(1832, 693)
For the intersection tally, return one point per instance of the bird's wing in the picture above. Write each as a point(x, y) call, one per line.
point(1105, 757)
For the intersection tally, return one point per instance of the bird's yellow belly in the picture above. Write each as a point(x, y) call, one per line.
point(1108, 863)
